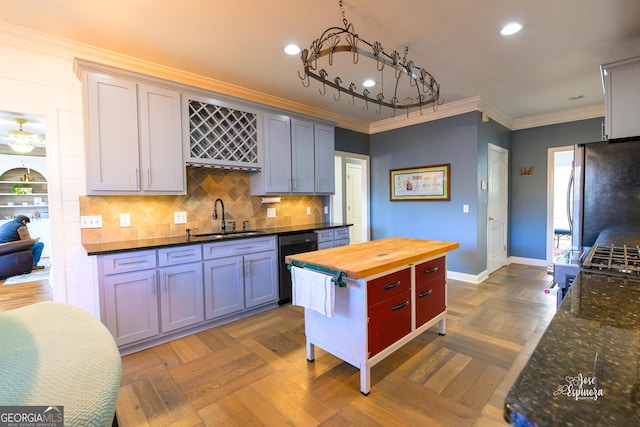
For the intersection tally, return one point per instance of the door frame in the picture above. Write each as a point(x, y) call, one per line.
point(505, 195)
point(337, 206)
point(550, 196)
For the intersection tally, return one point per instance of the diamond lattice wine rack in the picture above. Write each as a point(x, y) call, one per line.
point(223, 137)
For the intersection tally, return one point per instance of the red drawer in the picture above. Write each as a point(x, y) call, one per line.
point(430, 300)
point(430, 270)
point(387, 286)
point(389, 321)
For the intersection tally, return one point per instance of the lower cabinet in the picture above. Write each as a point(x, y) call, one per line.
point(151, 294)
point(131, 306)
point(333, 237)
point(242, 275)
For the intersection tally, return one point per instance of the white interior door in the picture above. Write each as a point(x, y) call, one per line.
point(497, 208)
point(354, 200)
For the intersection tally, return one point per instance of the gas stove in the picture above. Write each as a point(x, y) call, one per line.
point(623, 259)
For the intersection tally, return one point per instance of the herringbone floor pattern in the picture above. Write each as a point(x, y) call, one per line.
point(254, 372)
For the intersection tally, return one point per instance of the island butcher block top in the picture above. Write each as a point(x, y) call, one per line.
point(377, 256)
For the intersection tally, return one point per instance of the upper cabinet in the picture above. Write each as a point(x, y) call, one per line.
point(621, 81)
point(134, 137)
point(299, 157)
point(221, 134)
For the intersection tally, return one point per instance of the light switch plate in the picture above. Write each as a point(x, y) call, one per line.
point(271, 212)
point(125, 220)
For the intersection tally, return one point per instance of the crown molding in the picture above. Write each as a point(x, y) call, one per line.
point(576, 114)
point(12, 35)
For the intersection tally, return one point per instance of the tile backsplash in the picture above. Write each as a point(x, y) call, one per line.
point(152, 216)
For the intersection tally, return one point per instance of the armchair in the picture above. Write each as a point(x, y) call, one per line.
point(16, 258)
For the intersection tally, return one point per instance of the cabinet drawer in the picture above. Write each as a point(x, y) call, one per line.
point(387, 286)
point(179, 255)
point(389, 321)
point(128, 261)
point(324, 235)
point(326, 245)
point(343, 242)
point(430, 300)
point(341, 233)
point(429, 270)
point(238, 247)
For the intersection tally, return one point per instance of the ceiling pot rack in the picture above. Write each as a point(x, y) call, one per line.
point(427, 90)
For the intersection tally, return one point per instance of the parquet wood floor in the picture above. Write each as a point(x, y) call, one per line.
point(254, 372)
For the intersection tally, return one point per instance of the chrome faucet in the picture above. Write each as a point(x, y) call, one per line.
point(215, 213)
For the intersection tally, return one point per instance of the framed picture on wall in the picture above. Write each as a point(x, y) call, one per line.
point(421, 183)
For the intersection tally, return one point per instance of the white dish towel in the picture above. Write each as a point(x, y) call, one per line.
point(313, 290)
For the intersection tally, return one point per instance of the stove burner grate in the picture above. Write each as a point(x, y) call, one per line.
point(621, 259)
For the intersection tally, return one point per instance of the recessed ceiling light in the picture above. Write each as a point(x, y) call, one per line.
point(511, 28)
point(292, 49)
point(369, 83)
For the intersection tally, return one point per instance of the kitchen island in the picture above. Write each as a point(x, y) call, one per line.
point(392, 290)
point(585, 369)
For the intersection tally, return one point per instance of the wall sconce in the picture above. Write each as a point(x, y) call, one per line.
point(526, 171)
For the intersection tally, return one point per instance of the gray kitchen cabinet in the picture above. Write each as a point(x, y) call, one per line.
point(223, 287)
point(130, 295)
point(299, 157)
point(332, 237)
point(180, 287)
point(239, 275)
point(134, 136)
point(621, 81)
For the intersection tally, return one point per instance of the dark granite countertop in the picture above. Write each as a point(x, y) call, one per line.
point(594, 337)
point(164, 242)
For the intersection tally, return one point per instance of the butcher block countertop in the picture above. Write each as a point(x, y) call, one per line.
point(377, 256)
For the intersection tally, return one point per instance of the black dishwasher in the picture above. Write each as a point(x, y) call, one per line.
point(290, 244)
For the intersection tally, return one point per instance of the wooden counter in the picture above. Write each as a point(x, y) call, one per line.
point(395, 290)
point(370, 258)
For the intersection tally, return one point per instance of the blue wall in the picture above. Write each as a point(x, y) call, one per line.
point(528, 195)
point(462, 141)
point(453, 140)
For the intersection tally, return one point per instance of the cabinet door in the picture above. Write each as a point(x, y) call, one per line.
point(260, 275)
point(277, 168)
point(162, 168)
point(302, 156)
point(181, 296)
point(131, 306)
point(112, 155)
point(223, 287)
point(324, 159)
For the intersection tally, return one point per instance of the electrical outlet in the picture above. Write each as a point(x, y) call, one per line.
point(94, 221)
point(308, 211)
point(179, 217)
point(326, 210)
point(125, 220)
point(271, 212)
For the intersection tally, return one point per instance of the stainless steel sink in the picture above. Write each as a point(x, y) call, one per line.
point(229, 234)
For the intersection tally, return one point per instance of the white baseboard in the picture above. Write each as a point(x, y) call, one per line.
point(478, 278)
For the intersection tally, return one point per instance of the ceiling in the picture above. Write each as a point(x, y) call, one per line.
point(538, 71)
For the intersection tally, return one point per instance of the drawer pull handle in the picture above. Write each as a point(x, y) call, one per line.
point(140, 261)
point(184, 255)
point(425, 293)
point(391, 286)
point(400, 306)
point(431, 270)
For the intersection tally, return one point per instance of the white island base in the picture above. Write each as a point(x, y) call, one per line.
point(346, 335)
